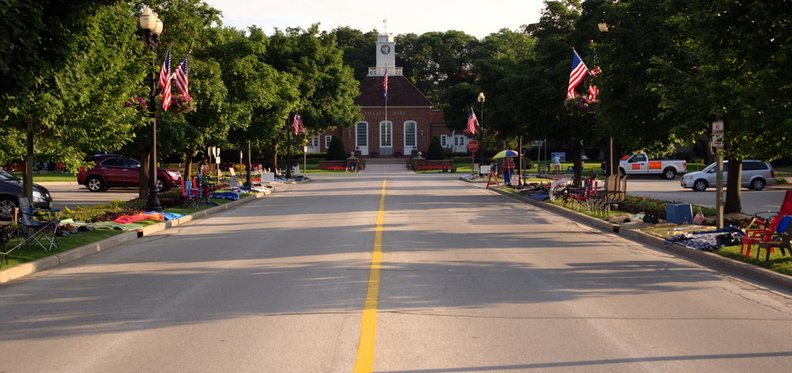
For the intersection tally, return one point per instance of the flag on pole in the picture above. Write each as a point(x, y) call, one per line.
point(181, 76)
point(165, 81)
point(593, 91)
point(165, 71)
point(385, 86)
point(472, 122)
point(297, 123)
point(579, 71)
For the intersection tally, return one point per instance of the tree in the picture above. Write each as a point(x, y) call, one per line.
point(335, 151)
point(435, 150)
point(359, 49)
point(68, 67)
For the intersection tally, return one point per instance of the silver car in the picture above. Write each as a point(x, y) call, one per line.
point(755, 175)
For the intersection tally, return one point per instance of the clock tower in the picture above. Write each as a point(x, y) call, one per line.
point(386, 55)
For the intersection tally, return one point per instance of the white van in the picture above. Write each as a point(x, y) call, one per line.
point(755, 175)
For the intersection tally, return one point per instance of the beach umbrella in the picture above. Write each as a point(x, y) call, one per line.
point(506, 154)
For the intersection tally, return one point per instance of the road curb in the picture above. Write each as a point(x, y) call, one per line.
point(25, 269)
point(705, 258)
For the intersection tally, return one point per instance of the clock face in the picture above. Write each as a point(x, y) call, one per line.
point(385, 49)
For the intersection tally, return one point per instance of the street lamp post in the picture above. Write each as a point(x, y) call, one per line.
point(603, 29)
point(152, 28)
point(481, 100)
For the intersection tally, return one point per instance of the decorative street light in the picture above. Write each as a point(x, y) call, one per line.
point(481, 100)
point(152, 28)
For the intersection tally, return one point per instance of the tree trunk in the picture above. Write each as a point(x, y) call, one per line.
point(733, 203)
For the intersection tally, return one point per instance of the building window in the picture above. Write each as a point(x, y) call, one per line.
point(314, 142)
point(327, 141)
point(444, 141)
point(410, 137)
point(361, 134)
point(386, 134)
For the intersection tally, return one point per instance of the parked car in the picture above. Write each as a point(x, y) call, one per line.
point(11, 191)
point(639, 164)
point(117, 171)
point(755, 175)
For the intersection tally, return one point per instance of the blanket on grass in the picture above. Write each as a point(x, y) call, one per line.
point(707, 240)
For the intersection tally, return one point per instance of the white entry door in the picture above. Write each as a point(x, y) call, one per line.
point(410, 137)
point(386, 138)
point(361, 138)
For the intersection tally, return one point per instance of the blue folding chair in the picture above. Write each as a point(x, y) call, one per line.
point(35, 231)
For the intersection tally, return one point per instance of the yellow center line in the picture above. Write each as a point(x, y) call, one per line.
point(364, 362)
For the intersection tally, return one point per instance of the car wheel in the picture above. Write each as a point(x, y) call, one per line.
point(669, 174)
point(95, 184)
point(622, 172)
point(700, 185)
point(7, 206)
point(757, 184)
point(161, 185)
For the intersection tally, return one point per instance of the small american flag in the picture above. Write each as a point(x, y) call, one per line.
point(579, 71)
point(472, 122)
point(165, 81)
point(297, 125)
point(181, 76)
point(385, 86)
point(593, 91)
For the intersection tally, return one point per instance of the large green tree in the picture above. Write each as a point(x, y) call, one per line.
point(67, 68)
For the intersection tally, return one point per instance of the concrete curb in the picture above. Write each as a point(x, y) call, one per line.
point(26, 269)
point(704, 258)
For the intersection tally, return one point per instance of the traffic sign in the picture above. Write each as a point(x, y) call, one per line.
point(472, 146)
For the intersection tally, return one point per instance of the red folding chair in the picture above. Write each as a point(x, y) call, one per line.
point(765, 226)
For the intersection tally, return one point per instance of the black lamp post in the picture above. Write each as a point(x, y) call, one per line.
point(152, 28)
point(603, 29)
point(481, 100)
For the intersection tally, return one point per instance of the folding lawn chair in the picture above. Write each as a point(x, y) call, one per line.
point(764, 224)
point(191, 194)
point(42, 233)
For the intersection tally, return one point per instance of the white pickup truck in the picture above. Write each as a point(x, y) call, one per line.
point(640, 164)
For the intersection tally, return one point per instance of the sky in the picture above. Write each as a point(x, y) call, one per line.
point(477, 18)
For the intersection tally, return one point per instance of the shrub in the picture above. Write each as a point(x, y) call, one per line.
point(435, 151)
point(336, 151)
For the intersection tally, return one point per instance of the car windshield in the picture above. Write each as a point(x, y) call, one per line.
point(5, 176)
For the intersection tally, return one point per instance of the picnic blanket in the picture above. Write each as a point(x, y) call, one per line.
point(707, 240)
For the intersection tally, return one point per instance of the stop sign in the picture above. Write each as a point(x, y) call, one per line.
point(472, 146)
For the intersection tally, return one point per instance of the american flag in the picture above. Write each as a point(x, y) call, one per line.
point(472, 122)
point(593, 91)
point(165, 81)
point(385, 86)
point(181, 76)
point(297, 125)
point(579, 71)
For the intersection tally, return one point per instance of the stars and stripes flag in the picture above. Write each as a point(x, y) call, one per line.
point(472, 122)
point(297, 124)
point(593, 91)
point(181, 76)
point(579, 71)
point(385, 86)
point(165, 80)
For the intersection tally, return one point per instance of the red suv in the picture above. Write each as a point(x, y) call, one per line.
point(117, 171)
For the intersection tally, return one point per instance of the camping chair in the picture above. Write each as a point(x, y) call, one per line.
point(42, 233)
point(780, 239)
point(190, 194)
point(764, 223)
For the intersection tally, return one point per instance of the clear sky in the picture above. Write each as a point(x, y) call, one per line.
point(478, 18)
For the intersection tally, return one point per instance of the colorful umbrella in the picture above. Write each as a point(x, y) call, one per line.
point(506, 154)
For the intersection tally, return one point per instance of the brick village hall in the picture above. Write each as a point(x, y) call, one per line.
point(399, 126)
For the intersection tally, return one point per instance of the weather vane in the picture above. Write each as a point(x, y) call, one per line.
point(385, 22)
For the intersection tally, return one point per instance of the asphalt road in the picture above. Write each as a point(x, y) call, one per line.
point(72, 195)
point(389, 272)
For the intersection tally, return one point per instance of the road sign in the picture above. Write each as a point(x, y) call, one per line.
point(472, 146)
